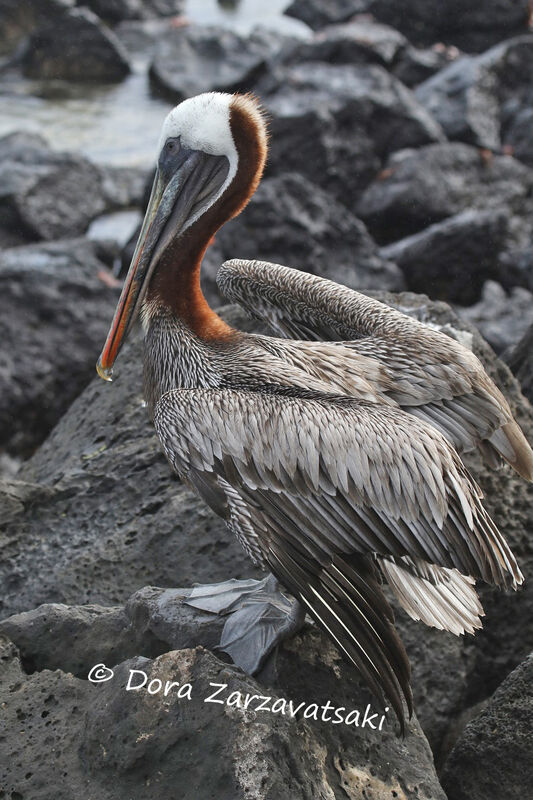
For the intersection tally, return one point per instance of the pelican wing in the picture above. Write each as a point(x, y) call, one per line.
point(425, 372)
point(324, 483)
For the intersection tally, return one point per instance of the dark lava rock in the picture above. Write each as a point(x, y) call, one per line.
point(54, 315)
point(336, 123)
point(520, 360)
point(423, 186)
point(18, 18)
point(190, 60)
point(112, 742)
point(493, 757)
point(501, 317)
point(75, 47)
point(471, 24)
point(467, 96)
point(50, 195)
point(451, 259)
point(293, 222)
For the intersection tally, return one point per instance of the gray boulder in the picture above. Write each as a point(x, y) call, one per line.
point(493, 757)
point(193, 59)
point(451, 259)
point(75, 47)
point(114, 742)
point(501, 317)
point(468, 96)
point(335, 124)
point(49, 195)
point(420, 187)
point(54, 312)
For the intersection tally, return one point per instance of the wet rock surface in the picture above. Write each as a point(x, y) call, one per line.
point(51, 195)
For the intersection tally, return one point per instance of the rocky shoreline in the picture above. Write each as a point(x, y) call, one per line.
point(401, 164)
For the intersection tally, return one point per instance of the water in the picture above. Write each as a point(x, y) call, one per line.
point(119, 124)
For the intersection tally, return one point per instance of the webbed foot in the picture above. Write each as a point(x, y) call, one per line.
point(259, 615)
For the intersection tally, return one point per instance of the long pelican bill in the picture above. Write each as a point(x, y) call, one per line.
point(185, 183)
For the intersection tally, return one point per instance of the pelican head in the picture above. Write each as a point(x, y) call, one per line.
point(212, 152)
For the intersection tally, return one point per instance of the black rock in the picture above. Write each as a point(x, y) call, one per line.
point(467, 96)
point(493, 757)
point(118, 743)
point(54, 314)
point(293, 222)
point(190, 60)
point(415, 65)
point(501, 317)
point(75, 47)
point(115, 10)
point(335, 124)
point(49, 195)
point(420, 187)
point(451, 259)
point(473, 25)
point(360, 41)
point(520, 360)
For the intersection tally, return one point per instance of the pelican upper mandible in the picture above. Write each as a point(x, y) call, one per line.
point(333, 453)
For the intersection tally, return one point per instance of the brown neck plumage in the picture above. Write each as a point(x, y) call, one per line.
point(176, 283)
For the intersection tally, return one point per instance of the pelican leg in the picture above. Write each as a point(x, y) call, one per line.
point(259, 617)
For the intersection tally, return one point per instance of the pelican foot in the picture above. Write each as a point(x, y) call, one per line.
point(259, 615)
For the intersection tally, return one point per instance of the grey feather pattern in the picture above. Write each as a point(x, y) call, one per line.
point(422, 370)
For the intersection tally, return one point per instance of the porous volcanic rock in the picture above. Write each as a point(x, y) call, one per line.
point(120, 743)
point(75, 47)
point(335, 124)
point(493, 757)
point(194, 59)
point(420, 187)
point(54, 313)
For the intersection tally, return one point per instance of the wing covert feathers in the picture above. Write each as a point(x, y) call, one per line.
point(428, 374)
point(329, 491)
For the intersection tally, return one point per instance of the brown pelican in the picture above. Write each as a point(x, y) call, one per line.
point(332, 455)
